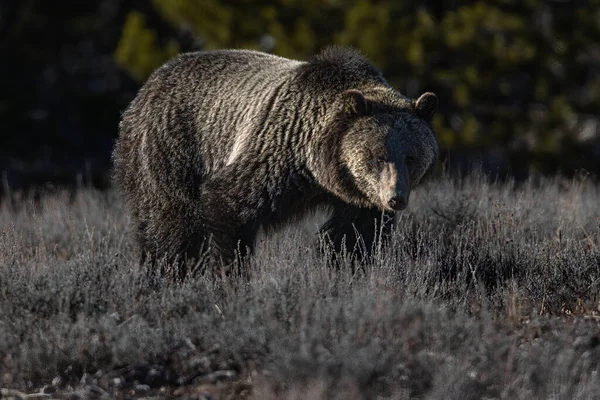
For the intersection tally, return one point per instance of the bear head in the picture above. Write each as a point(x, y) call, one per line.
point(386, 145)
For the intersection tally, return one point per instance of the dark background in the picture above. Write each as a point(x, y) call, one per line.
point(518, 81)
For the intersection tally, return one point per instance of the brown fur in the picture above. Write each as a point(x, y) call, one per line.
point(219, 144)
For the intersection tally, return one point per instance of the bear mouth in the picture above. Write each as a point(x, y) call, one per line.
point(398, 206)
point(394, 202)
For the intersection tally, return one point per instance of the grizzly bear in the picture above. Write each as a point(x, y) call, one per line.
point(219, 144)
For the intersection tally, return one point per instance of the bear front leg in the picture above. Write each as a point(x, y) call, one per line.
point(357, 231)
point(228, 223)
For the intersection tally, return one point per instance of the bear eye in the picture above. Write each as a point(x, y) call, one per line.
point(410, 160)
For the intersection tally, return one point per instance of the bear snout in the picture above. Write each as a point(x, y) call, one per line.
point(393, 191)
point(398, 202)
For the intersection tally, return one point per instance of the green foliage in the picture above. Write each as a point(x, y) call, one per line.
point(520, 74)
point(139, 50)
point(299, 28)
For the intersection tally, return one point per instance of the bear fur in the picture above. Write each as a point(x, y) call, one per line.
point(219, 144)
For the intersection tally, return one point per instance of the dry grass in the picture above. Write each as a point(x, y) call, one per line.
point(487, 291)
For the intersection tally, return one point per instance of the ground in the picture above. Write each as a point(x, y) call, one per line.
point(487, 291)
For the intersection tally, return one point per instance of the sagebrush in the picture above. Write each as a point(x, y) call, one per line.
point(486, 291)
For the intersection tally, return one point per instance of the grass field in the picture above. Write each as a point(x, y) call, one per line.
point(487, 291)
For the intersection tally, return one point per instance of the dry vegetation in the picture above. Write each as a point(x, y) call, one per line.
point(487, 291)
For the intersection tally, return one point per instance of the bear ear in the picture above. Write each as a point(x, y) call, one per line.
point(426, 106)
point(356, 103)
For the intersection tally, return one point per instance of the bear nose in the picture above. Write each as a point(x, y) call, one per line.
point(398, 202)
